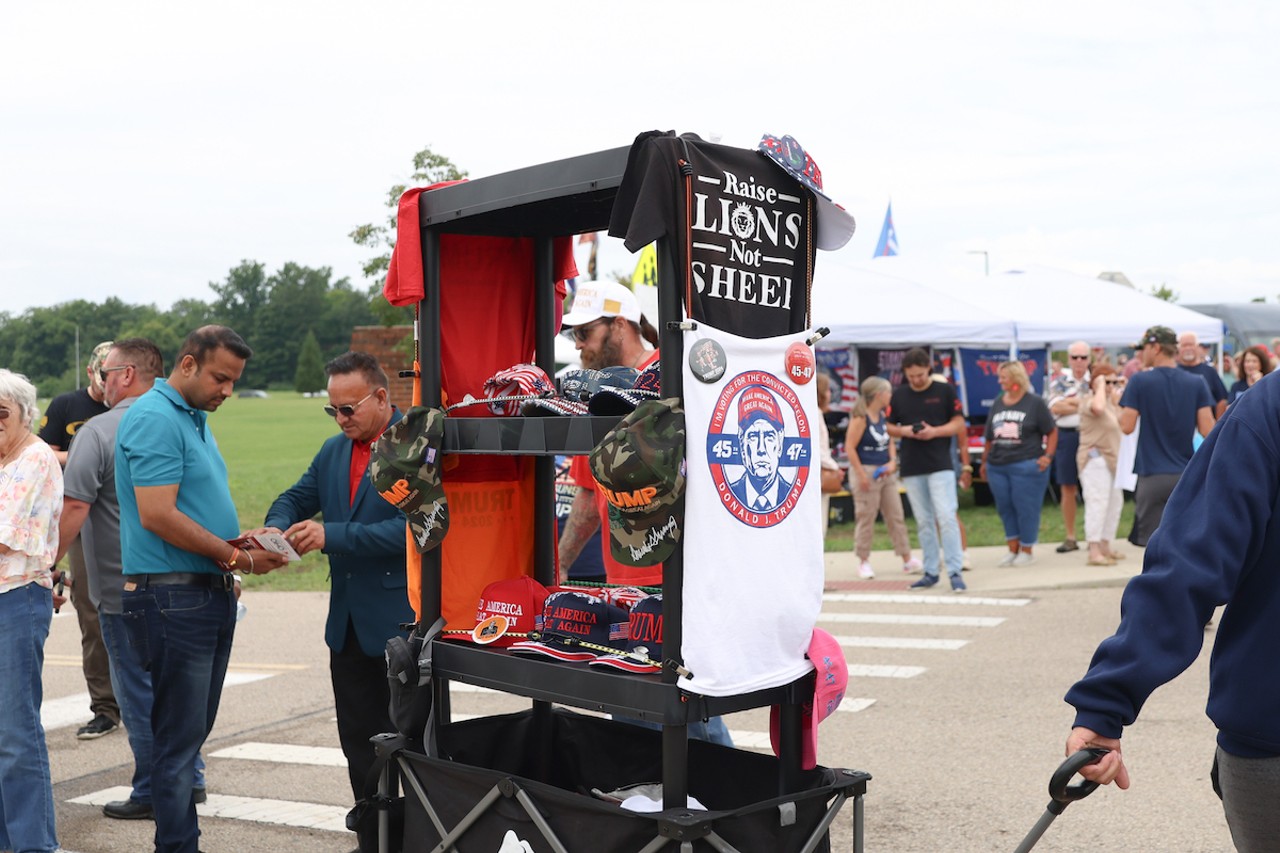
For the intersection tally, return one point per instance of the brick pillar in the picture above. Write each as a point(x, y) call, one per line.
point(392, 346)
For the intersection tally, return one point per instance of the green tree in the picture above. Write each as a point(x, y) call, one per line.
point(1166, 293)
point(310, 373)
point(241, 297)
point(428, 168)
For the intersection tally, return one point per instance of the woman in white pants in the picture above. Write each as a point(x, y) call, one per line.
point(1096, 461)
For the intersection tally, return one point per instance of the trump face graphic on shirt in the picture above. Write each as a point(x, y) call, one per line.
point(760, 441)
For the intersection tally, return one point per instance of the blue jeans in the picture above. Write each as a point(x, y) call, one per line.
point(26, 791)
point(1018, 489)
point(934, 504)
point(182, 633)
point(131, 685)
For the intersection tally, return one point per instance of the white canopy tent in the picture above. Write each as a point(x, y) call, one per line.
point(868, 307)
point(898, 300)
point(1054, 307)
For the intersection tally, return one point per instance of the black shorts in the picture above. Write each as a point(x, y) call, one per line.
point(1064, 459)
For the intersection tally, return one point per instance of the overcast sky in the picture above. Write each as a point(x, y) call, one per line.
point(147, 148)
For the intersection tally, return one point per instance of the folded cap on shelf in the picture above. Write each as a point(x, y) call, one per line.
point(644, 639)
point(577, 627)
point(623, 401)
point(509, 607)
point(518, 381)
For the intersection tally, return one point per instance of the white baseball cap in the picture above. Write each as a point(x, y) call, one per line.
point(596, 299)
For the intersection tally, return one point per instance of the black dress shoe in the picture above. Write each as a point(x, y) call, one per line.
point(129, 810)
point(200, 795)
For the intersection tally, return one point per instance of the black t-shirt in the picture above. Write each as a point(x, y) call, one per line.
point(935, 406)
point(66, 413)
point(1016, 433)
point(746, 235)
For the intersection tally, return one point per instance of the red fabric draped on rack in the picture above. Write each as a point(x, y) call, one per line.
point(486, 325)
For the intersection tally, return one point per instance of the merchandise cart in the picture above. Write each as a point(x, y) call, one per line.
point(526, 779)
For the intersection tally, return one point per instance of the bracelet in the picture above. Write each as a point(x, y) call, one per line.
point(235, 557)
point(966, 469)
point(250, 556)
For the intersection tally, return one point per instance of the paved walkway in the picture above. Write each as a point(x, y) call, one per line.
point(1050, 571)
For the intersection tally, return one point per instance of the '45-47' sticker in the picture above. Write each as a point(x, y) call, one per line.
point(759, 448)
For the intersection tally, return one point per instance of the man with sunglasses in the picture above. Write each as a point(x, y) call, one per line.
point(364, 538)
point(606, 326)
point(64, 417)
point(1065, 393)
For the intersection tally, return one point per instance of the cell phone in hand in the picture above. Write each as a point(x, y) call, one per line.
point(918, 427)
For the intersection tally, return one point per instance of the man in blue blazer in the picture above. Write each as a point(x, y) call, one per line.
point(364, 537)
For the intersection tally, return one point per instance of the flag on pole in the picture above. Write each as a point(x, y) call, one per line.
point(888, 244)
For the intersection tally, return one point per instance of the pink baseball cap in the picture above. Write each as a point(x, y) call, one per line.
point(828, 691)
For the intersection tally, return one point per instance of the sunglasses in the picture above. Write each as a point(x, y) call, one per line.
point(581, 333)
point(103, 371)
point(346, 411)
point(1079, 357)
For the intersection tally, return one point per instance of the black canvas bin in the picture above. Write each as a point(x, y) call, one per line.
point(739, 788)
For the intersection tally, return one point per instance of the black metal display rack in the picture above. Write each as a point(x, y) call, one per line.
point(545, 202)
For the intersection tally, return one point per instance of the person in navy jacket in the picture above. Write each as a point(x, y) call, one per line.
point(364, 538)
point(1218, 544)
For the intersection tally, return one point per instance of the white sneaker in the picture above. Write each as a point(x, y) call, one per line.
point(1007, 561)
point(1023, 559)
point(865, 571)
point(913, 566)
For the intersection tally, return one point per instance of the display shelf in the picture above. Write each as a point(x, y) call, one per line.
point(533, 436)
point(643, 697)
point(560, 198)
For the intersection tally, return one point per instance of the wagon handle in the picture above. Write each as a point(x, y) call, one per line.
point(1064, 794)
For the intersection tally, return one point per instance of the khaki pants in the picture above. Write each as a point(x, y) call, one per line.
point(882, 498)
point(93, 652)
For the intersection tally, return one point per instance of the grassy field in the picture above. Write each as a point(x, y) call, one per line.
point(268, 444)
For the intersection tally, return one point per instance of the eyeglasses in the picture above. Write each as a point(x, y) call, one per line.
point(581, 333)
point(346, 411)
point(1078, 357)
point(103, 371)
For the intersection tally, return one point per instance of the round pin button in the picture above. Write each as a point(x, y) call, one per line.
point(707, 360)
point(799, 363)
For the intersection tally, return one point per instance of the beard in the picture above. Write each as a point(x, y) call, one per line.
point(610, 355)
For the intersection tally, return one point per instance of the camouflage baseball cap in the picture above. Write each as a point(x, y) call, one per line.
point(640, 468)
point(405, 469)
point(1157, 335)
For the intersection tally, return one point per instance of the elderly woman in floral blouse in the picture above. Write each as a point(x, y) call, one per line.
point(30, 506)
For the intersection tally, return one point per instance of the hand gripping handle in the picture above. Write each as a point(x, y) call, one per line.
point(1060, 791)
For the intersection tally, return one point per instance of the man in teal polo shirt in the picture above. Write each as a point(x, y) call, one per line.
point(176, 515)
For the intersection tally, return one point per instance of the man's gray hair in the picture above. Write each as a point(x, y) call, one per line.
point(17, 389)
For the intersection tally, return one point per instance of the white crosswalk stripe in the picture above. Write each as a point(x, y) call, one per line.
point(258, 809)
point(74, 709)
point(912, 619)
point(907, 598)
point(902, 643)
